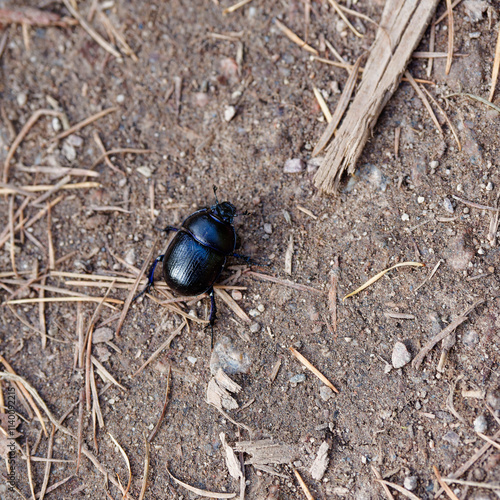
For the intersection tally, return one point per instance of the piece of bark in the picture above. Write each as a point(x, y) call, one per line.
point(320, 463)
point(401, 28)
point(265, 452)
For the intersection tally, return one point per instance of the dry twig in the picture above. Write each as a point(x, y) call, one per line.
point(313, 369)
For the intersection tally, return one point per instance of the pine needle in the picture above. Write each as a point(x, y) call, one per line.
point(379, 275)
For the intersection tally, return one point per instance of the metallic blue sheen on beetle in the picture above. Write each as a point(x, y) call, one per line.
point(197, 254)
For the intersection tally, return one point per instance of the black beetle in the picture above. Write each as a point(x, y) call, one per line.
point(197, 254)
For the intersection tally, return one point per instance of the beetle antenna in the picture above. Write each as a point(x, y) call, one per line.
point(246, 212)
point(215, 194)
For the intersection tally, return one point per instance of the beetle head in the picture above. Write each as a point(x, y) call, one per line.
point(225, 211)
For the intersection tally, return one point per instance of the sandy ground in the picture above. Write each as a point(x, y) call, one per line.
point(227, 100)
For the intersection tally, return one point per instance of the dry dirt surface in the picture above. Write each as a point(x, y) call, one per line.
point(194, 96)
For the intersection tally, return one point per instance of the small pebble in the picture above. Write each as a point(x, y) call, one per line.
point(493, 398)
point(261, 308)
point(489, 186)
point(410, 483)
point(254, 327)
point(470, 338)
point(400, 355)
point(75, 140)
point(453, 438)
point(405, 217)
point(325, 393)
point(229, 113)
point(236, 295)
point(192, 359)
point(296, 379)
point(103, 334)
point(420, 200)
point(268, 228)
point(130, 257)
point(293, 166)
point(56, 124)
point(434, 164)
point(68, 151)
point(22, 99)
point(145, 171)
point(120, 98)
point(448, 206)
point(481, 424)
point(479, 474)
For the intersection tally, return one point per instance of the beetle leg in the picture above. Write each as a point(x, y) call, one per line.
point(245, 258)
point(213, 314)
point(151, 277)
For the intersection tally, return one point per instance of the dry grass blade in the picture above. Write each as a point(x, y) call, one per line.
point(12, 237)
point(145, 476)
point(125, 47)
point(342, 65)
point(24, 388)
point(340, 12)
point(38, 201)
point(79, 432)
point(4, 237)
point(233, 305)
point(306, 211)
point(104, 374)
point(322, 104)
point(424, 100)
point(288, 283)
point(488, 440)
point(476, 98)
point(303, 485)
point(451, 36)
point(22, 134)
point(235, 7)
point(443, 485)
point(386, 488)
point(433, 272)
point(445, 116)
point(127, 461)
point(379, 275)
point(445, 14)
point(42, 187)
point(403, 491)
point(467, 465)
point(131, 294)
point(121, 151)
point(98, 38)
point(295, 38)
point(332, 292)
point(164, 410)
point(48, 464)
point(165, 345)
point(432, 42)
point(197, 491)
point(340, 109)
point(474, 484)
point(64, 299)
point(30, 474)
point(59, 426)
point(475, 205)
point(54, 171)
point(443, 334)
point(313, 369)
point(85, 122)
point(496, 67)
